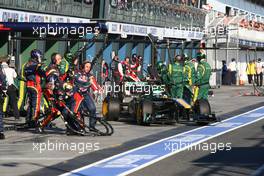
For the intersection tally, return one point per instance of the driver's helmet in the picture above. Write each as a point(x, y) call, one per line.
point(159, 65)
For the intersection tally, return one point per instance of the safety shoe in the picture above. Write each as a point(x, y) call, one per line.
point(39, 128)
point(93, 129)
point(70, 133)
point(31, 124)
point(51, 125)
point(2, 136)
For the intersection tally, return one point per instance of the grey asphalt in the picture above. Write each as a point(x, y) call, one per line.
point(19, 157)
point(244, 158)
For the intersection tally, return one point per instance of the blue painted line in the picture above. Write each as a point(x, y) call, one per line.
point(133, 160)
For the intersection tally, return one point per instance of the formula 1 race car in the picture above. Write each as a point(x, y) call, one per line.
point(140, 100)
point(152, 105)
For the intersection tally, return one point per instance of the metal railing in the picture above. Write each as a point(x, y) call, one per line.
point(78, 8)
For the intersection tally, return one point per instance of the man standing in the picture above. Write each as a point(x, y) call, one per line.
point(176, 75)
point(251, 71)
point(10, 75)
point(104, 72)
point(233, 69)
point(83, 81)
point(34, 71)
point(189, 70)
point(2, 94)
point(117, 70)
point(190, 75)
point(203, 76)
point(224, 72)
point(259, 73)
point(53, 84)
point(162, 72)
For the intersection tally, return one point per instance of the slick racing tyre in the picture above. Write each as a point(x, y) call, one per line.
point(202, 110)
point(111, 109)
point(202, 107)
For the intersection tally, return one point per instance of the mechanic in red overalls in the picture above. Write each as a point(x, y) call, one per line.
point(83, 81)
point(34, 71)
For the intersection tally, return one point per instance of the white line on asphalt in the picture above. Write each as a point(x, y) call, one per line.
point(173, 153)
point(129, 151)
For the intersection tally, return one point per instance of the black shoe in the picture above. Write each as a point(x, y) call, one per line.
point(70, 133)
point(51, 125)
point(39, 128)
point(2, 136)
point(93, 129)
point(31, 124)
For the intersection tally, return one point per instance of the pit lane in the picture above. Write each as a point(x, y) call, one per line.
point(18, 157)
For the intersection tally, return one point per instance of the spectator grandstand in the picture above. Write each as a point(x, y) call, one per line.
point(77, 8)
point(158, 12)
point(251, 24)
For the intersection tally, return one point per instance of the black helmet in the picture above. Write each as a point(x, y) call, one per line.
point(36, 54)
point(134, 58)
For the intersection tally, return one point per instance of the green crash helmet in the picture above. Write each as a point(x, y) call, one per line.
point(64, 66)
point(200, 56)
point(160, 66)
point(68, 57)
point(186, 58)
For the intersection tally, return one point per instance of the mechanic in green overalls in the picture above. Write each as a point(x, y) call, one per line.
point(163, 72)
point(189, 70)
point(22, 89)
point(190, 75)
point(203, 76)
point(176, 76)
